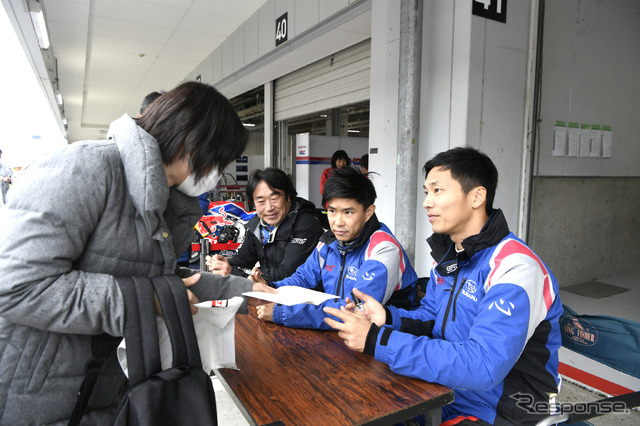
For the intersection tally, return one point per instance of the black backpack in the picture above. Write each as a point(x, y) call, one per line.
point(182, 394)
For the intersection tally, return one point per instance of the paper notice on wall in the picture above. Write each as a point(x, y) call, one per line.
point(596, 141)
point(585, 141)
point(607, 141)
point(559, 140)
point(573, 142)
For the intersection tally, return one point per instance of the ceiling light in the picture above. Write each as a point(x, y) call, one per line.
point(249, 125)
point(59, 97)
point(39, 24)
point(64, 120)
point(353, 131)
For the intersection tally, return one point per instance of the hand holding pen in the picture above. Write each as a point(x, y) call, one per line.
point(369, 307)
point(357, 304)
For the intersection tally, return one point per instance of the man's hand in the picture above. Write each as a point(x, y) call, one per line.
point(256, 276)
point(265, 311)
point(258, 286)
point(218, 264)
point(353, 329)
point(373, 310)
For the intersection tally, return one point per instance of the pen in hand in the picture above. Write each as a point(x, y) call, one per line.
point(357, 302)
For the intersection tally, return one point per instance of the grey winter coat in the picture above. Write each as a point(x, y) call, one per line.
point(83, 215)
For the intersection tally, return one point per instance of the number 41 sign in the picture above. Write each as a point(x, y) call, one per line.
point(491, 9)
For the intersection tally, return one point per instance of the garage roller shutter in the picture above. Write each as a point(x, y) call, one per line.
point(338, 80)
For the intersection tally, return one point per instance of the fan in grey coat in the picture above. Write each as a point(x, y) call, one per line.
point(78, 218)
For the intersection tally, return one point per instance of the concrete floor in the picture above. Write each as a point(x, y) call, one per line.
point(572, 393)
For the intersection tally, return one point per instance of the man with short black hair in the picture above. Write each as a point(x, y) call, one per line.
point(488, 326)
point(281, 235)
point(358, 251)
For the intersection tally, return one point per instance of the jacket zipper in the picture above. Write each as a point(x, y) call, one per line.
point(446, 312)
point(455, 301)
point(343, 257)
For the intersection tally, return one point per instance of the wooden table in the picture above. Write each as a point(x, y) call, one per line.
point(309, 377)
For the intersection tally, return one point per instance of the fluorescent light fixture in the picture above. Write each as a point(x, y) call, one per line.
point(323, 115)
point(59, 97)
point(353, 131)
point(64, 120)
point(249, 125)
point(37, 18)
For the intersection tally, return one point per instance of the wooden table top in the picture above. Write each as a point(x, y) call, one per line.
point(299, 376)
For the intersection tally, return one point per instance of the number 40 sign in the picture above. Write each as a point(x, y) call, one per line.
point(282, 29)
point(491, 9)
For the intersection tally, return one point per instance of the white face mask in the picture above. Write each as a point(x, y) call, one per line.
point(206, 184)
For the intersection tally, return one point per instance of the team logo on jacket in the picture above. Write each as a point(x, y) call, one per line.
point(439, 280)
point(352, 271)
point(329, 268)
point(470, 287)
point(368, 276)
point(502, 306)
point(298, 240)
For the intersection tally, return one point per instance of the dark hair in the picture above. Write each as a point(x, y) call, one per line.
point(339, 155)
point(470, 167)
point(197, 121)
point(364, 161)
point(149, 99)
point(275, 178)
point(349, 182)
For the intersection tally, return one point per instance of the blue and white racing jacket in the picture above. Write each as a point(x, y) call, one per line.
point(488, 327)
point(375, 263)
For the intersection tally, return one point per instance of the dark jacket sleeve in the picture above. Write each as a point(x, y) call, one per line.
point(247, 255)
point(213, 287)
point(304, 238)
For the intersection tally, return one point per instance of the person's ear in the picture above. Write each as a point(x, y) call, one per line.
point(370, 211)
point(479, 194)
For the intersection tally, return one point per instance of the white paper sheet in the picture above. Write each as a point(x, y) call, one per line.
point(292, 295)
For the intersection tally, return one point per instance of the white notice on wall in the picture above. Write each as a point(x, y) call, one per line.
point(559, 141)
point(574, 142)
point(596, 142)
point(585, 142)
point(607, 142)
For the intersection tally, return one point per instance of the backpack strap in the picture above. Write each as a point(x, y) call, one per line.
point(140, 330)
point(176, 310)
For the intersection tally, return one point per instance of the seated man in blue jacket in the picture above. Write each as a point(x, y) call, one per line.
point(358, 251)
point(488, 326)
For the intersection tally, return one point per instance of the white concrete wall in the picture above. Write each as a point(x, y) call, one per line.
point(256, 36)
point(592, 75)
point(383, 115)
point(472, 94)
point(584, 215)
